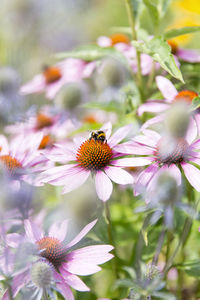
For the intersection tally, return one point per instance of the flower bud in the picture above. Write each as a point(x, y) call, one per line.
point(177, 119)
point(69, 96)
point(41, 274)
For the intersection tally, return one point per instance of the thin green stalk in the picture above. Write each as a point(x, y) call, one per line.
point(10, 293)
point(110, 237)
point(134, 36)
point(45, 296)
point(159, 247)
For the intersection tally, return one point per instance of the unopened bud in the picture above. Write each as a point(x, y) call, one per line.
point(166, 189)
point(41, 274)
point(177, 119)
point(69, 96)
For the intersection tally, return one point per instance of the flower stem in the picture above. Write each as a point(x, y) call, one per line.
point(110, 237)
point(134, 36)
point(159, 247)
point(45, 296)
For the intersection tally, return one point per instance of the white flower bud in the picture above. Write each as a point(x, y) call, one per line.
point(41, 274)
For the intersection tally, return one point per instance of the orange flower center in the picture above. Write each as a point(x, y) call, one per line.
point(51, 74)
point(46, 142)
point(90, 119)
point(43, 121)
point(173, 45)
point(119, 38)
point(94, 155)
point(186, 96)
point(53, 250)
point(171, 151)
point(10, 163)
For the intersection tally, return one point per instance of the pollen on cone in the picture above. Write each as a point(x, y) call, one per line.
point(186, 95)
point(43, 121)
point(119, 38)
point(94, 155)
point(10, 163)
point(51, 74)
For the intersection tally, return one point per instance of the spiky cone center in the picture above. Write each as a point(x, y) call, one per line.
point(119, 38)
point(173, 45)
point(46, 142)
point(185, 96)
point(10, 163)
point(171, 151)
point(94, 155)
point(51, 74)
point(41, 274)
point(43, 121)
point(53, 250)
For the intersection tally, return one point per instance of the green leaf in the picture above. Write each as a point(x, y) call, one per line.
point(153, 11)
point(195, 103)
point(164, 4)
point(181, 31)
point(160, 51)
point(192, 268)
point(135, 7)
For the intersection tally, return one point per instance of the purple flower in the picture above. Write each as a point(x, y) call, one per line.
point(163, 153)
point(188, 55)
point(90, 156)
point(53, 78)
point(65, 263)
point(171, 95)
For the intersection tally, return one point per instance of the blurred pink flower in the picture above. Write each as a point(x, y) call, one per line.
point(188, 55)
point(122, 43)
point(64, 262)
point(20, 158)
point(53, 78)
point(163, 153)
point(85, 157)
point(171, 95)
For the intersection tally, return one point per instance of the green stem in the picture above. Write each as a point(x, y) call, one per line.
point(134, 36)
point(10, 293)
point(45, 296)
point(159, 247)
point(110, 237)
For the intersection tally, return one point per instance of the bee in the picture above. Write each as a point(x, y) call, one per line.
point(98, 136)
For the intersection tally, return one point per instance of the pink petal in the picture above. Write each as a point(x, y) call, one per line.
point(72, 280)
point(55, 173)
point(152, 135)
point(119, 135)
point(104, 41)
point(152, 107)
point(17, 283)
point(192, 56)
point(118, 175)
point(33, 232)
point(83, 232)
point(197, 119)
point(36, 85)
point(192, 174)
point(103, 185)
point(133, 148)
point(144, 178)
point(152, 121)
point(107, 127)
point(166, 87)
point(13, 240)
point(175, 172)
point(191, 131)
point(63, 287)
point(143, 139)
point(196, 145)
point(81, 268)
point(59, 230)
point(74, 181)
point(4, 145)
point(132, 162)
point(97, 254)
point(88, 69)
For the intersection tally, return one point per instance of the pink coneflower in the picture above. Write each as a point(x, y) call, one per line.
point(123, 44)
point(60, 262)
point(20, 158)
point(53, 78)
point(92, 156)
point(188, 55)
point(171, 95)
point(164, 153)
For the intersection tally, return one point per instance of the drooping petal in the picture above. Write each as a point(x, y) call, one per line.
point(13, 240)
point(59, 230)
point(73, 280)
point(55, 173)
point(103, 185)
point(191, 133)
point(152, 107)
point(143, 139)
point(76, 180)
point(36, 85)
point(119, 135)
point(132, 161)
point(118, 175)
point(17, 283)
point(175, 172)
point(192, 56)
point(144, 178)
point(63, 287)
point(134, 148)
point(33, 232)
point(83, 232)
point(192, 174)
point(152, 121)
point(166, 87)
